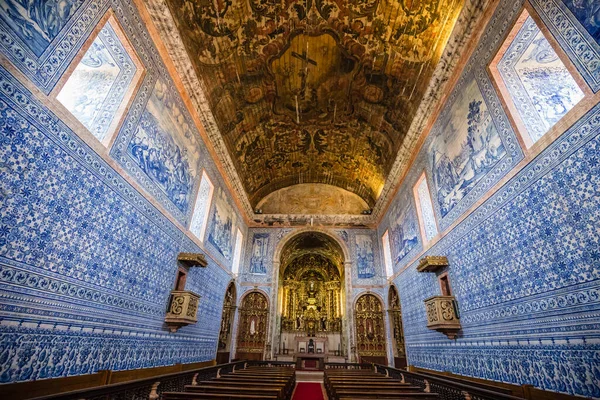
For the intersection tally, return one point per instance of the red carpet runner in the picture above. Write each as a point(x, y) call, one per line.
point(308, 391)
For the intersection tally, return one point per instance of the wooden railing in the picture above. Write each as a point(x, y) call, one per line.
point(151, 388)
point(348, 366)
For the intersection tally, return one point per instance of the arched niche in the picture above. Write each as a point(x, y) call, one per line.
point(396, 328)
point(370, 333)
point(312, 267)
point(252, 326)
point(227, 319)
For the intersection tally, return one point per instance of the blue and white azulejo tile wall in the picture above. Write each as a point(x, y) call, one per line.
point(525, 263)
point(87, 251)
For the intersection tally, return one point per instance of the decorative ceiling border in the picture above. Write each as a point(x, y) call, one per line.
point(464, 29)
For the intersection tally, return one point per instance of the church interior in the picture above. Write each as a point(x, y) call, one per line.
point(300, 199)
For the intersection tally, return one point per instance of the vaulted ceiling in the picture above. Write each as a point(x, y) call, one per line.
point(314, 91)
point(312, 244)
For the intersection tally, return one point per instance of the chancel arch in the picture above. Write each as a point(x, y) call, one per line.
point(311, 318)
point(252, 326)
point(227, 321)
point(370, 329)
point(396, 328)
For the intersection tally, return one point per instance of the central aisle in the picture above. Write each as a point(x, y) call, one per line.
point(309, 386)
point(308, 391)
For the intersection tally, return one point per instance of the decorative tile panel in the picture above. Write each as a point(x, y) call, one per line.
point(540, 86)
point(161, 148)
point(562, 367)
point(525, 272)
point(524, 264)
point(426, 207)
point(574, 24)
point(201, 208)
point(260, 253)
point(464, 146)
point(98, 85)
point(86, 261)
point(222, 225)
point(79, 244)
point(41, 37)
point(365, 256)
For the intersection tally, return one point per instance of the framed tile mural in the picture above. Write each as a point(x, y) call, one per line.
point(202, 207)
point(222, 226)
point(575, 24)
point(429, 228)
point(535, 79)
point(260, 248)
point(101, 80)
point(404, 228)
point(365, 256)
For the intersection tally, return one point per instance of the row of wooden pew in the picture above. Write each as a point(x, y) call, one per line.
point(274, 383)
point(361, 384)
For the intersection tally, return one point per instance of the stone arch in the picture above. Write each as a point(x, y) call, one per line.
point(345, 266)
point(332, 235)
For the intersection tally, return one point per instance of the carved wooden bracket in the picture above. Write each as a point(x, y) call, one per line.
point(432, 263)
point(442, 315)
point(192, 259)
point(183, 307)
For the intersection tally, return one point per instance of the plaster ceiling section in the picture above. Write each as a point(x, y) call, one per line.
point(312, 199)
point(314, 91)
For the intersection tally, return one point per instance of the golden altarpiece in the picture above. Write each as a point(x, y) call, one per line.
point(370, 329)
point(227, 320)
point(395, 318)
point(311, 307)
point(252, 330)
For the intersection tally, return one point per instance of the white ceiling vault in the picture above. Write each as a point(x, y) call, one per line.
point(468, 19)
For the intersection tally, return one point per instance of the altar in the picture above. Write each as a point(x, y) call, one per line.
point(310, 328)
point(311, 345)
point(310, 361)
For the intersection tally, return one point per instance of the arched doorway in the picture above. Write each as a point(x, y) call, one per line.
point(228, 315)
point(395, 313)
point(370, 329)
point(311, 299)
point(252, 331)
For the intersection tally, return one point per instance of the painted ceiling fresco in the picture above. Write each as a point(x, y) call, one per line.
point(314, 91)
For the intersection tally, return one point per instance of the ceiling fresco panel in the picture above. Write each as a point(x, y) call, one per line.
point(314, 91)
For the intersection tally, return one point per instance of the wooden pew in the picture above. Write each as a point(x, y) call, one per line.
point(282, 388)
point(249, 383)
point(251, 391)
point(338, 391)
point(288, 384)
point(356, 394)
point(367, 384)
point(214, 396)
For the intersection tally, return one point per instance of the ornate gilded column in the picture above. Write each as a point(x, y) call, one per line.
point(273, 331)
point(391, 343)
point(348, 320)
